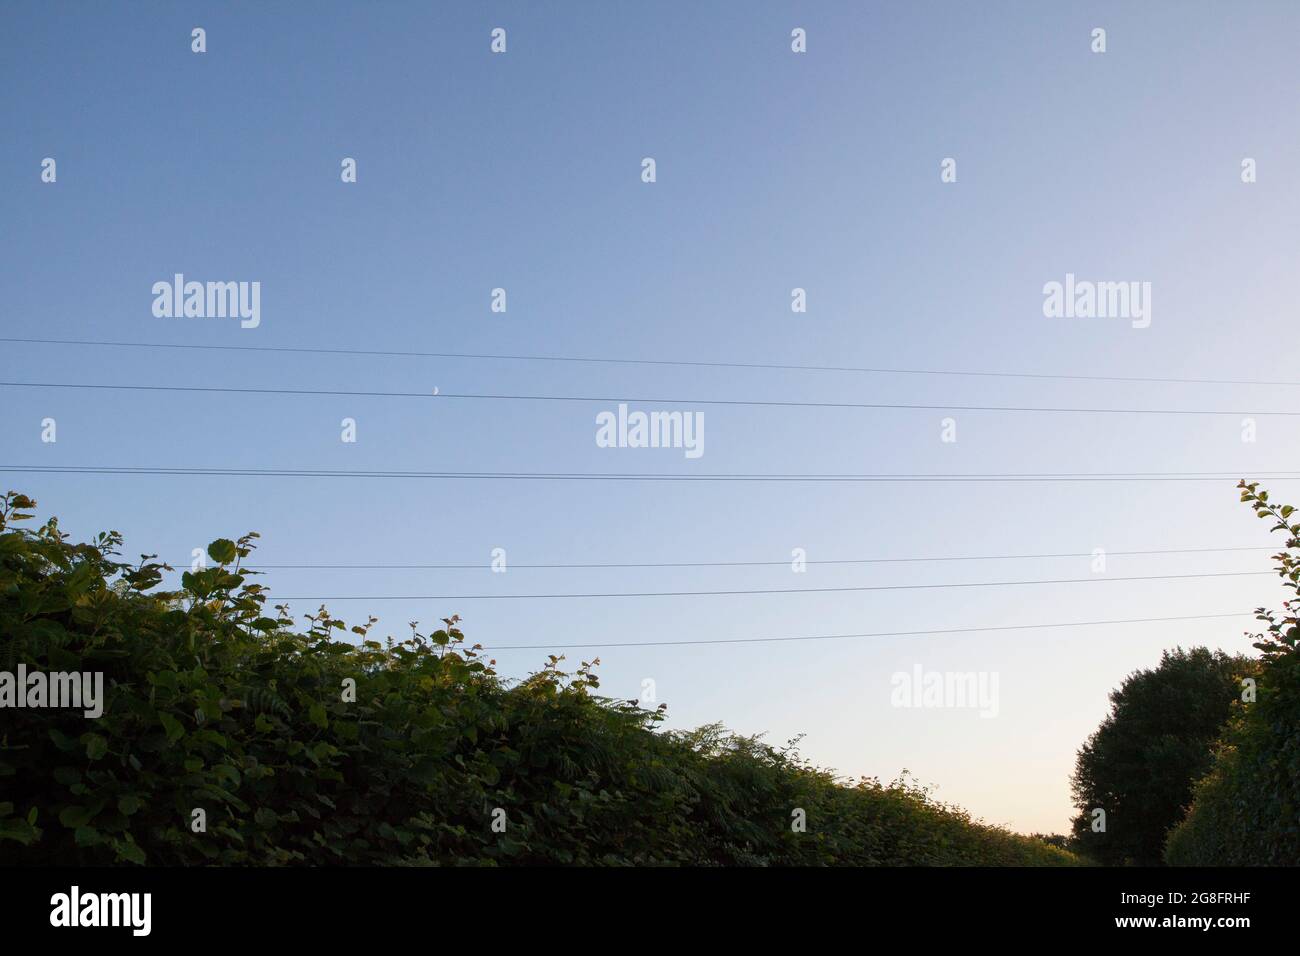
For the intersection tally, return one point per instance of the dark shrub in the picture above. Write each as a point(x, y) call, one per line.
point(300, 748)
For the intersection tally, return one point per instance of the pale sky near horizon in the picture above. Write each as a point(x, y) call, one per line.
point(775, 170)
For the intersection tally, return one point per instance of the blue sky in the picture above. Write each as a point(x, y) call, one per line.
point(775, 170)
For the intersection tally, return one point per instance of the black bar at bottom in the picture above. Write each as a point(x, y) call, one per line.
point(369, 905)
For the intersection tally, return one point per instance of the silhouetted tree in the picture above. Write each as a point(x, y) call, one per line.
point(1140, 764)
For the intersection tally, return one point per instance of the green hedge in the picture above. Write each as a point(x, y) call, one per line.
point(214, 705)
point(1246, 811)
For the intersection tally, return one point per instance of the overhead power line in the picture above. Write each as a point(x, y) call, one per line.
point(613, 476)
point(839, 637)
point(612, 400)
point(486, 565)
point(769, 366)
point(1096, 579)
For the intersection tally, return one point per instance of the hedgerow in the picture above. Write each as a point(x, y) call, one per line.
point(230, 736)
point(1246, 810)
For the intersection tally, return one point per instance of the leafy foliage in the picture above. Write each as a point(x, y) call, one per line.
point(301, 747)
point(1140, 764)
point(1246, 811)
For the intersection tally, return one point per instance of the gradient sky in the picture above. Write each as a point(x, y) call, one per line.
point(775, 170)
